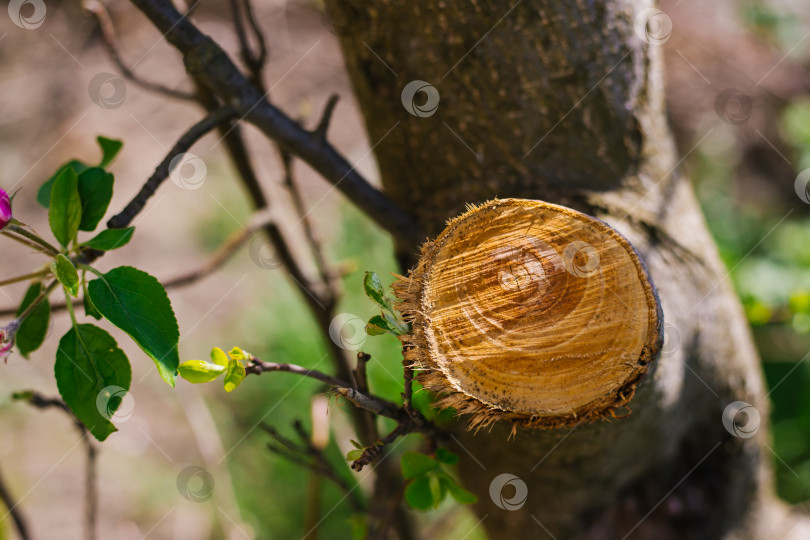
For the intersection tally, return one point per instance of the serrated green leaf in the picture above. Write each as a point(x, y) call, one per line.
point(377, 326)
point(33, 330)
point(356, 444)
point(424, 492)
point(375, 290)
point(89, 309)
point(95, 187)
point(66, 274)
point(200, 371)
point(219, 357)
point(460, 494)
point(354, 454)
point(44, 193)
point(88, 361)
point(446, 456)
point(65, 212)
point(138, 304)
point(109, 149)
point(110, 239)
point(235, 375)
point(417, 464)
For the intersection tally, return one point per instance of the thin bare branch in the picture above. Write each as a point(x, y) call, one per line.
point(110, 37)
point(326, 274)
point(224, 252)
point(207, 61)
point(326, 117)
point(186, 141)
point(39, 401)
point(13, 509)
point(91, 490)
point(360, 375)
point(370, 403)
point(242, 10)
point(370, 453)
point(307, 455)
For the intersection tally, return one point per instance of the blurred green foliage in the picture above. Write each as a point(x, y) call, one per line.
point(766, 248)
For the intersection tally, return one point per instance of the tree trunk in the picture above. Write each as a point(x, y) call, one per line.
point(563, 102)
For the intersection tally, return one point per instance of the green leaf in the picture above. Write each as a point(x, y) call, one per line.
point(437, 489)
point(33, 330)
point(95, 191)
point(200, 371)
point(66, 273)
point(240, 354)
point(109, 149)
point(460, 494)
point(219, 357)
point(374, 290)
point(424, 492)
point(88, 363)
point(89, 309)
point(417, 464)
point(65, 212)
point(397, 325)
point(235, 375)
point(446, 456)
point(354, 454)
point(377, 326)
point(44, 193)
point(138, 304)
point(110, 239)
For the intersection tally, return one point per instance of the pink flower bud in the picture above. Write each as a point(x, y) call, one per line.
point(5, 209)
point(7, 335)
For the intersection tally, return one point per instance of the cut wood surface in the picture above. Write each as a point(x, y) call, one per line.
point(531, 312)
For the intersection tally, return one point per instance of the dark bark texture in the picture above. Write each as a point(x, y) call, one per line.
point(562, 101)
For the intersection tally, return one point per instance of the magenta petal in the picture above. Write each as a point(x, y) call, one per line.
point(5, 208)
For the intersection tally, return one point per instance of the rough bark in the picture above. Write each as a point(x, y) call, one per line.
point(561, 101)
